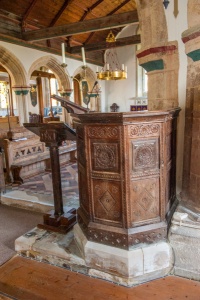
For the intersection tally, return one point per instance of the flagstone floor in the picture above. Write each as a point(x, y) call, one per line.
point(40, 188)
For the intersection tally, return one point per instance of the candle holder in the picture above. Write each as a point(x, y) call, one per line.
point(63, 65)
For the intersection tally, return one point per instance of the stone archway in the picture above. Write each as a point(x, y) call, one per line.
point(54, 65)
point(158, 56)
point(90, 77)
point(14, 67)
point(60, 73)
point(18, 77)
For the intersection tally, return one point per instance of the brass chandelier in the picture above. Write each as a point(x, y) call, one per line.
point(112, 69)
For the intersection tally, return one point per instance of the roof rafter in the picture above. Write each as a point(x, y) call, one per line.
point(90, 9)
point(108, 22)
point(57, 16)
point(59, 13)
point(28, 11)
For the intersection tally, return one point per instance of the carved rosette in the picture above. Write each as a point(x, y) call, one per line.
point(145, 155)
point(106, 156)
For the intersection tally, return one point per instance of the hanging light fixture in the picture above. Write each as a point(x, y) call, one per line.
point(112, 69)
point(166, 3)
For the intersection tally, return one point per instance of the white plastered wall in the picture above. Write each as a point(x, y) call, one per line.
point(122, 91)
point(28, 56)
point(176, 25)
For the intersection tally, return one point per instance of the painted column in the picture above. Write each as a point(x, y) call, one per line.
point(22, 94)
point(161, 63)
point(158, 56)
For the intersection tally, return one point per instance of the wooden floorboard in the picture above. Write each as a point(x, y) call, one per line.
point(26, 279)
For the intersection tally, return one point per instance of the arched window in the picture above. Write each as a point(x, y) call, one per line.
point(142, 79)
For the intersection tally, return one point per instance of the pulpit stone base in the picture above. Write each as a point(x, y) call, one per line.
point(72, 251)
point(184, 237)
point(138, 265)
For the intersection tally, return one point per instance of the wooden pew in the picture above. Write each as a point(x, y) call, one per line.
point(27, 157)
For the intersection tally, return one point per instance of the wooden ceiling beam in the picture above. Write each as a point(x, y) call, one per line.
point(98, 24)
point(109, 14)
point(131, 40)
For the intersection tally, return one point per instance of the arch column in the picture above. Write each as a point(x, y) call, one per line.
point(191, 166)
point(158, 56)
point(22, 108)
point(161, 63)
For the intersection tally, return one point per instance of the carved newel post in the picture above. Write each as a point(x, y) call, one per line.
point(53, 134)
point(52, 139)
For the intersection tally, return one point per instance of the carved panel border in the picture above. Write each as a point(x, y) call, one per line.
point(123, 240)
point(144, 130)
point(103, 132)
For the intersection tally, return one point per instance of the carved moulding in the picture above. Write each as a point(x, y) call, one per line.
point(103, 132)
point(144, 130)
point(122, 238)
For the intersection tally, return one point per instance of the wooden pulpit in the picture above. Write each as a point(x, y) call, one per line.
point(127, 176)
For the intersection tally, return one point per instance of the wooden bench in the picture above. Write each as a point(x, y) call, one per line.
point(27, 157)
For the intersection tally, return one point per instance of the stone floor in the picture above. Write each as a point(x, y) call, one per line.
point(36, 193)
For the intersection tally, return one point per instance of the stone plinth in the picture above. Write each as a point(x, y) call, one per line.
point(120, 266)
point(127, 267)
point(184, 237)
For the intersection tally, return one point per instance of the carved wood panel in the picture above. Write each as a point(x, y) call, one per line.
point(145, 155)
point(105, 156)
point(81, 155)
point(107, 201)
point(83, 192)
point(145, 206)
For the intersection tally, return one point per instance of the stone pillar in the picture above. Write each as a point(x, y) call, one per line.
point(22, 108)
point(158, 56)
point(191, 167)
point(161, 63)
